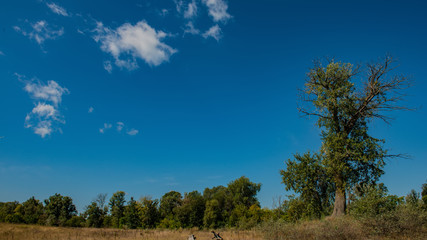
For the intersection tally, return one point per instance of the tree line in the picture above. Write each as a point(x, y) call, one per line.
point(235, 205)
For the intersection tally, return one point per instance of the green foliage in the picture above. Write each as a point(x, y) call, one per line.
point(371, 200)
point(94, 215)
point(191, 211)
point(169, 202)
point(170, 222)
point(424, 196)
point(149, 212)
point(8, 213)
point(307, 176)
point(131, 215)
point(117, 207)
point(241, 195)
point(216, 214)
point(32, 211)
point(213, 216)
point(59, 210)
point(243, 192)
point(75, 221)
point(233, 206)
point(413, 198)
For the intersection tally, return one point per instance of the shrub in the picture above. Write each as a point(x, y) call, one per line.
point(338, 228)
point(372, 200)
point(406, 219)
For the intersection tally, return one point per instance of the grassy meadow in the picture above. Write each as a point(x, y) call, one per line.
point(36, 232)
point(325, 229)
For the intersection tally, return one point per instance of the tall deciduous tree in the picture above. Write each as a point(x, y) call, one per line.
point(117, 207)
point(59, 209)
point(349, 154)
point(169, 202)
point(32, 210)
point(149, 212)
point(190, 213)
point(131, 215)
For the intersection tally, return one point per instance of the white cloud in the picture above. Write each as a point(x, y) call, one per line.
point(45, 116)
point(129, 42)
point(40, 32)
point(44, 110)
point(217, 10)
point(57, 9)
point(191, 10)
point(189, 28)
point(132, 132)
point(43, 128)
point(120, 126)
point(186, 8)
point(90, 110)
point(108, 67)
point(106, 126)
point(50, 92)
point(214, 31)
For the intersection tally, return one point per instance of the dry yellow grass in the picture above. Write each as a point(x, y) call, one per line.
point(33, 232)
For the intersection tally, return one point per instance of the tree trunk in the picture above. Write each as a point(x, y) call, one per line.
point(340, 204)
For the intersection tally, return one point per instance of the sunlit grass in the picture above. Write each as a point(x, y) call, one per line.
point(34, 232)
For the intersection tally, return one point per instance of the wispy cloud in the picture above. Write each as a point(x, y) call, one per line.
point(129, 42)
point(90, 110)
point(191, 10)
point(120, 126)
point(1, 53)
point(45, 117)
point(214, 32)
point(108, 67)
point(189, 28)
point(57, 9)
point(132, 132)
point(40, 32)
point(106, 126)
point(188, 9)
point(217, 10)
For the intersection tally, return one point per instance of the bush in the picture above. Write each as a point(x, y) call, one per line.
point(405, 220)
point(372, 200)
point(75, 221)
point(338, 228)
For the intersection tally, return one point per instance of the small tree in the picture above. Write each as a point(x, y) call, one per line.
point(307, 175)
point(424, 195)
point(94, 215)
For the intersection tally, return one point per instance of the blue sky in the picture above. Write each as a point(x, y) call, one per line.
point(152, 96)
